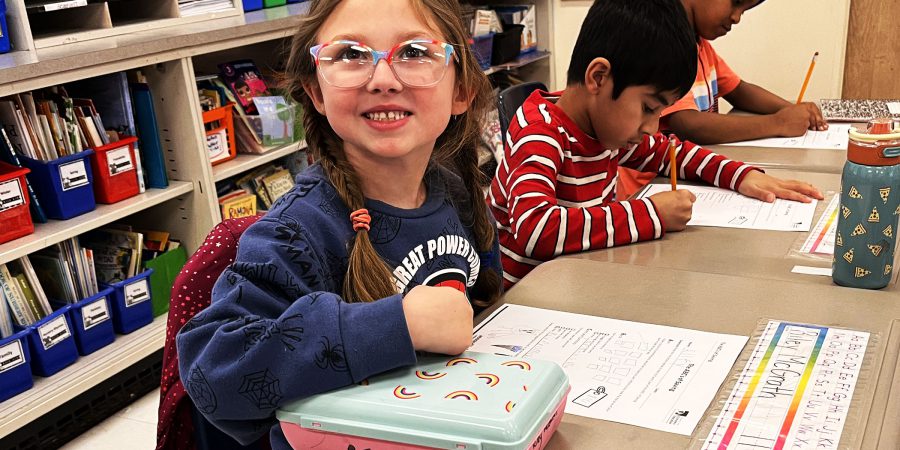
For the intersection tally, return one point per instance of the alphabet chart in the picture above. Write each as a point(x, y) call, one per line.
point(794, 392)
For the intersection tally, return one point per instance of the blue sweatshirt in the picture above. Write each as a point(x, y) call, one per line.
point(278, 330)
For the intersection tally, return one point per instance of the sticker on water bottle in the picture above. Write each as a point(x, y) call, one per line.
point(54, 332)
point(11, 194)
point(119, 161)
point(11, 356)
point(73, 175)
point(94, 313)
point(136, 292)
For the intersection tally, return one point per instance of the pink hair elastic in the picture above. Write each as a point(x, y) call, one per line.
point(360, 219)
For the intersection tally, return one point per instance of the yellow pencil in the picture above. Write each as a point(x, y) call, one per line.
point(673, 168)
point(812, 64)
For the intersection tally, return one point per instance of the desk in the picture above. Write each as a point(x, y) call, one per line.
point(719, 304)
point(812, 160)
point(730, 251)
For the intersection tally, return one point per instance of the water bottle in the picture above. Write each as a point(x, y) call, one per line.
point(870, 206)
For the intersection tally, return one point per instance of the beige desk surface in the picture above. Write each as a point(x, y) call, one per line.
point(722, 304)
point(813, 160)
point(756, 254)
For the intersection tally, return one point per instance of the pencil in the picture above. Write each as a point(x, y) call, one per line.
point(673, 168)
point(812, 64)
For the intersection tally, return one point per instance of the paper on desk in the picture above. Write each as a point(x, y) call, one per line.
point(717, 207)
point(834, 138)
point(640, 374)
point(795, 390)
point(821, 238)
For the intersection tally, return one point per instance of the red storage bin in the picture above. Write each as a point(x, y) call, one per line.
point(14, 200)
point(115, 171)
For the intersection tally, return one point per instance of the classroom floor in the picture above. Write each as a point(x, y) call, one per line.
point(134, 427)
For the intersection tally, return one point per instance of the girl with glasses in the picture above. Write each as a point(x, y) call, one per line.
point(385, 244)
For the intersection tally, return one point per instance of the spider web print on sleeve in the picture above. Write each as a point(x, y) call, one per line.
point(261, 389)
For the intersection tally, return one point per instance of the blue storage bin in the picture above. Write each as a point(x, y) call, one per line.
point(130, 302)
point(252, 5)
point(91, 321)
point(64, 186)
point(52, 343)
point(15, 365)
point(4, 34)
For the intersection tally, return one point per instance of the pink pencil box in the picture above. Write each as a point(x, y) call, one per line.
point(472, 401)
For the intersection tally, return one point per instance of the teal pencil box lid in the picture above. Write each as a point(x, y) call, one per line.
point(472, 401)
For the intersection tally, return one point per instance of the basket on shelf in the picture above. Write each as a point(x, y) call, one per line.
point(482, 47)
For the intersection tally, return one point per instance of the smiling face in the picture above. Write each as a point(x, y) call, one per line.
point(383, 121)
point(714, 18)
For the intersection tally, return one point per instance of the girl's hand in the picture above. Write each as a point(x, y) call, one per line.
point(439, 319)
point(766, 188)
point(674, 208)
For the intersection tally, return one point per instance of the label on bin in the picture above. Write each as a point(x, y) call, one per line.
point(53, 332)
point(217, 144)
point(136, 292)
point(119, 161)
point(73, 175)
point(11, 194)
point(94, 313)
point(11, 355)
point(65, 5)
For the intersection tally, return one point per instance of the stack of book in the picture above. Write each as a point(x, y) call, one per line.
point(256, 190)
point(22, 294)
point(66, 271)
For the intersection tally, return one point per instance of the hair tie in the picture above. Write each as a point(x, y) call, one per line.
point(360, 219)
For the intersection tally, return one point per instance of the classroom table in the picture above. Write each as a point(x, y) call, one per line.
point(721, 304)
point(758, 254)
point(812, 160)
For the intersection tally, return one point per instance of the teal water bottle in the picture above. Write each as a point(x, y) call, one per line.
point(870, 207)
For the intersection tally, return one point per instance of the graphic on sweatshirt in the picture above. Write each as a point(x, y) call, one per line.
point(201, 392)
point(261, 389)
point(331, 357)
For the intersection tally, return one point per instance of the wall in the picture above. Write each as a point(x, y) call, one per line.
point(771, 47)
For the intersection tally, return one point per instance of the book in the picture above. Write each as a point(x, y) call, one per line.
point(55, 277)
point(241, 205)
point(245, 82)
point(8, 155)
point(116, 253)
point(6, 320)
point(22, 271)
point(22, 315)
point(151, 155)
point(277, 184)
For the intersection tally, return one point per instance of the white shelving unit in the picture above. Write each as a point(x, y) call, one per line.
point(188, 208)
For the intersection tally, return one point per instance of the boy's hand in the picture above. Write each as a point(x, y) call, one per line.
point(794, 120)
point(439, 319)
point(766, 188)
point(674, 208)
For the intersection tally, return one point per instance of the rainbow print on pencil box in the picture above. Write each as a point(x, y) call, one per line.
point(474, 400)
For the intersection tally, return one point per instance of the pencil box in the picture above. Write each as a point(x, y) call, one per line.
point(472, 401)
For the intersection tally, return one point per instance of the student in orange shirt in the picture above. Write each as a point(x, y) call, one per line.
point(690, 116)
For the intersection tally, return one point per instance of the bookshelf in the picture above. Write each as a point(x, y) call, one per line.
point(188, 208)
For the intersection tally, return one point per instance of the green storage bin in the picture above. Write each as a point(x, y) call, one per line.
point(165, 268)
point(273, 3)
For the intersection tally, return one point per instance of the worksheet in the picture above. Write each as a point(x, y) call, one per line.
point(717, 207)
point(794, 392)
point(640, 374)
point(834, 138)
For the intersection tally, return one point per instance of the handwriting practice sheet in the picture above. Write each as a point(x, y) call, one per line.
point(834, 138)
point(717, 207)
point(640, 374)
point(794, 392)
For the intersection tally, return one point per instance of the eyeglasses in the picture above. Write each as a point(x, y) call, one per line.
point(415, 63)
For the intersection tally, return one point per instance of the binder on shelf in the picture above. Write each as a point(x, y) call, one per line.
point(252, 5)
point(130, 302)
point(148, 135)
point(14, 213)
point(165, 268)
point(4, 32)
point(115, 171)
point(52, 343)
point(65, 186)
point(15, 365)
point(91, 321)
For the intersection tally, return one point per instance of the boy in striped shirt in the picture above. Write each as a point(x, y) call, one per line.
point(554, 192)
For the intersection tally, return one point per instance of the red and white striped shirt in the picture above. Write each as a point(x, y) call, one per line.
point(555, 187)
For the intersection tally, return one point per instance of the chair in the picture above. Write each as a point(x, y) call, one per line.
point(180, 426)
point(510, 99)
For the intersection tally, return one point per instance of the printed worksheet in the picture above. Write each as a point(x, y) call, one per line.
point(821, 239)
point(717, 207)
point(834, 138)
point(640, 374)
point(794, 392)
